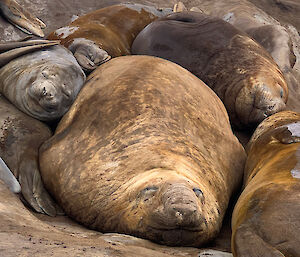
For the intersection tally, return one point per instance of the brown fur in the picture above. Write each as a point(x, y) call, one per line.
point(266, 218)
point(147, 150)
point(112, 29)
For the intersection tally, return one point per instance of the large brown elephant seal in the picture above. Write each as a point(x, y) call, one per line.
point(21, 18)
point(20, 139)
point(266, 218)
point(44, 83)
point(146, 149)
point(108, 32)
point(237, 68)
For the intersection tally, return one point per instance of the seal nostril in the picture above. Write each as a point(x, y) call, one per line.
point(44, 92)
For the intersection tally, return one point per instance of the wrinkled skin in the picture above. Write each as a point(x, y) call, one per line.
point(21, 18)
point(42, 84)
point(239, 70)
point(154, 154)
point(266, 218)
point(20, 139)
point(108, 32)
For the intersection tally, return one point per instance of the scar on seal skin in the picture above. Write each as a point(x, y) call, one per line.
point(21, 18)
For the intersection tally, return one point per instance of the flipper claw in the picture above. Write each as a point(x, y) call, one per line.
point(21, 18)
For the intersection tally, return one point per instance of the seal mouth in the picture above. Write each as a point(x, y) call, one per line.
point(107, 58)
point(177, 228)
point(178, 236)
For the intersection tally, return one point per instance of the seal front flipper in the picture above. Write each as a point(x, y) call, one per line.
point(247, 243)
point(33, 190)
point(24, 42)
point(21, 18)
point(16, 51)
point(8, 178)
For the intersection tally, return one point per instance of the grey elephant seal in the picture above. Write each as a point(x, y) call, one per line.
point(108, 32)
point(44, 83)
point(20, 139)
point(21, 18)
point(157, 159)
point(237, 68)
point(266, 218)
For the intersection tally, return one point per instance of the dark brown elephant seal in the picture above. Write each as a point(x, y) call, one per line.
point(266, 218)
point(278, 40)
point(108, 32)
point(21, 18)
point(238, 69)
point(44, 83)
point(20, 139)
point(146, 149)
point(259, 25)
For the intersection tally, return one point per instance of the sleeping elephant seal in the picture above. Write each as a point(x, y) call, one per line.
point(21, 18)
point(44, 83)
point(238, 69)
point(275, 38)
point(266, 218)
point(108, 32)
point(20, 139)
point(146, 149)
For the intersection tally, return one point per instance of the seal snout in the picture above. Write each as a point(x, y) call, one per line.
point(180, 208)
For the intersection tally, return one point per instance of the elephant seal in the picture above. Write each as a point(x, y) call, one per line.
point(259, 25)
point(21, 18)
point(266, 218)
point(237, 68)
point(278, 40)
point(44, 83)
point(108, 32)
point(20, 139)
point(146, 149)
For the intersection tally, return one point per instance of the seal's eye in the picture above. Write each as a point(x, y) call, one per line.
point(198, 192)
point(150, 189)
point(281, 92)
point(148, 192)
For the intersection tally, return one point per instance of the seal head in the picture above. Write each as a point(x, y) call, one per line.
point(175, 209)
point(263, 96)
point(88, 54)
point(45, 82)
